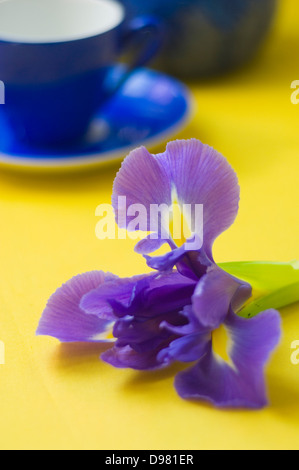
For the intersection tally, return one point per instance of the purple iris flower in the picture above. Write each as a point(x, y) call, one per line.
point(187, 309)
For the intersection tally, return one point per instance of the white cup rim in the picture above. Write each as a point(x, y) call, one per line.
point(57, 21)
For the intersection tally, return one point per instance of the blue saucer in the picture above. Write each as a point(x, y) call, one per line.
point(149, 108)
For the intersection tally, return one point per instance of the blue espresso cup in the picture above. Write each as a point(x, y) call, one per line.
point(54, 62)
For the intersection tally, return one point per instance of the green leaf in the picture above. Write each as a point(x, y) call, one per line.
point(275, 285)
point(278, 299)
point(264, 276)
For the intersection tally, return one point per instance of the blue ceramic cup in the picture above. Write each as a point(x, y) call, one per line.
point(54, 58)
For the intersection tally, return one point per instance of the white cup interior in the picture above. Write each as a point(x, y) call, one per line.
point(50, 21)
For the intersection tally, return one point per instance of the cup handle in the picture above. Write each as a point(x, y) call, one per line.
point(139, 25)
point(136, 27)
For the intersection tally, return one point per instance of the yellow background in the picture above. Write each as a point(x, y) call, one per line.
point(62, 396)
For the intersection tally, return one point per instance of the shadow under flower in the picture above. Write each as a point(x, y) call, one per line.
point(141, 381)
point(84, 359)
point(284, 397)
point(144, 378)
point(73, 354)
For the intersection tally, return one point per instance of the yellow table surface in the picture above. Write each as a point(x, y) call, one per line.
point(61, 396)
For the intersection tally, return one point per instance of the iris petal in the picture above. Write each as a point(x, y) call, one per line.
point(254, 339)
point(195, 173)
point(166, 262)
point(149, 245)
point(201, 175)
point(126, 357)
point(65, 320)
point(189, 348)
point(242, 385)
point(97, 301)
point(146, 325)
point(192, 326)
point(214, 294)
point(141, 180)
point(157, 294)
point(173, 258)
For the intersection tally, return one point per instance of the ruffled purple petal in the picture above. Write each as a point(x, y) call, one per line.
point(188, 171)
point(188, 348)
point(166, 262)
point(98, 301)
point(149, 245)
point(189, 328)
point(65, 320)
point(214, 294)
point(141, 180)
point(253, 340)
point(156, 295)
point(141, 331)
point(126, 357)
point(143, 335)
point(239, 384)
point(201, 175)
point(188, 258)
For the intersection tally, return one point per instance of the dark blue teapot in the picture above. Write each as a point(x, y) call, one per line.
point(207, 37)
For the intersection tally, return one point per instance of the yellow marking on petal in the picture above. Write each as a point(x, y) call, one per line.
point(222, 344)
point(105, 336)
point(179, 228)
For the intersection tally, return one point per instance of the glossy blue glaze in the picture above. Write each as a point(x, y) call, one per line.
point(53, 90)
point(148, 107)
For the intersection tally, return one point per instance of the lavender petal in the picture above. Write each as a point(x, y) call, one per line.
point(214, 294)
point(65, 320)
point(242, 383)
